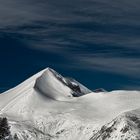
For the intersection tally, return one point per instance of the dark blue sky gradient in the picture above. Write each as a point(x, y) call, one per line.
point(95, 42)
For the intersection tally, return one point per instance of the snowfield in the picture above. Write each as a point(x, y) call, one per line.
point(48, 106)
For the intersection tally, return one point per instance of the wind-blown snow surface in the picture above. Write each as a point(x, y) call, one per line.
point(49, 106)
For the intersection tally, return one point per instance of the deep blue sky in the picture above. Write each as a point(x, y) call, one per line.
point(95, 41)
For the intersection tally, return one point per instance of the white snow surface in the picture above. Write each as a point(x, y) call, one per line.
point(43, 108)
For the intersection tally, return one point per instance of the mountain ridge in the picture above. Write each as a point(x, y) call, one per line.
point(50, 106)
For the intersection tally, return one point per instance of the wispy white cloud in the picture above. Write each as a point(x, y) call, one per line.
point(119, 65)
point(94, 34)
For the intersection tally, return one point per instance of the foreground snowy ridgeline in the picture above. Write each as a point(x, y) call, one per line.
point(48, 106)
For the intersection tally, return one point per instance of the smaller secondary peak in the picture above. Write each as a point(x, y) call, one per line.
point(99, 90)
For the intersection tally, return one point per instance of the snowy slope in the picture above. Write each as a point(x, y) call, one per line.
point(49, 106)
point(124, 127)
point(50, 86)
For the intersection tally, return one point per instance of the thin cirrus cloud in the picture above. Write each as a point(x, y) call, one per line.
point(16, 12)
point(96, 34)
point(118, 65)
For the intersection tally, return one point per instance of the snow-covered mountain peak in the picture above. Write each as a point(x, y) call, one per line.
point(52, 80)
point(49, 85)
point(45, 107)
point(55, 74)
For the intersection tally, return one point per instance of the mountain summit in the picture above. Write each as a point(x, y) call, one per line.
point(56, 86)
point(48, 106)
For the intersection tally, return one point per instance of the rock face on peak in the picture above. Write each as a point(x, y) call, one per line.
point(71, 83)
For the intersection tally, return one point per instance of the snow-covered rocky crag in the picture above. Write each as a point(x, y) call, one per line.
point(48, 106)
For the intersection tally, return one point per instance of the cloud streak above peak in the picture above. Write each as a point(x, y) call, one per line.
point(92, 34)
point(119, 65)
